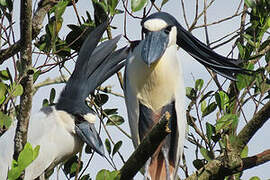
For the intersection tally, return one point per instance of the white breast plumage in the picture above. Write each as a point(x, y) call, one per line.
point(155, 86)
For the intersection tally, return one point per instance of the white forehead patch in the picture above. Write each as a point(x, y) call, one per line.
point(90, 117)
point(155, 24)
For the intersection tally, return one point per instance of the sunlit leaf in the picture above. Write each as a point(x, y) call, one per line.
point(206, 154)
point(244, 152)
point(227, 121)
point(5, 120)
point(4, 75)
point(222, 100)
point(255, 178)
point(137, 5)
point(3, 89)
point(198, 84)
point(16, 89)
point(107, 175)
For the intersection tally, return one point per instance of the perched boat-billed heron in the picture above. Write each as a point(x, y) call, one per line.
point(61, 130)
point(154, 84)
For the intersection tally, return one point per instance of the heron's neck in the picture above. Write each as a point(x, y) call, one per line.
point(155, 85)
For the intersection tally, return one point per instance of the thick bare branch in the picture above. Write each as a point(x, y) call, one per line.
point(218, 168)
point(253, 126)
point(20, 138)
point(146, 149)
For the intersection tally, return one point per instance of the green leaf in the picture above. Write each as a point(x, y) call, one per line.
point(117, 147)
point(107, 175)
point(198, 163)
point(110, 111)
point(45, 103)
point(71, 166)
point(241, 50)
point(206, 154)
point(100, 11)
point(108, 146)
point(116, 119)
point(101, 99)
point(250, 3)
point(3, 89)
point(4, 75)
point(227, 121)
point(60, 8)
point(36, 75)
point(85, 177)
point(203, 106)
point(137, 5)
point(3, 3)
point(198, 84)
point(112, 4)
point(190, 93)
point(210, 130)
point(255, 178)
point(103, 175)
point(209, 109)
point(222, 100)
point(5, 120)
point(52, 95)
point(26, 157)
point(244, 152)
point(206, 96)
point(164, 2)
point(16, 89)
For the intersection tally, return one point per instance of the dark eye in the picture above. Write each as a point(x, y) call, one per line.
point(168, 29)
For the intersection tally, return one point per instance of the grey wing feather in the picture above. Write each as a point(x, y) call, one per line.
point(132, 104)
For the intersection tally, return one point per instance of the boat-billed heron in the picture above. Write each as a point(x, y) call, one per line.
point(61, 130)
point(154, 84)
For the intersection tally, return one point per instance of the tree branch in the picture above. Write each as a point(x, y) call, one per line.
point(20, 138)
point(147, 148)
point(253, 126)
point(218, 168)
point(43, 8)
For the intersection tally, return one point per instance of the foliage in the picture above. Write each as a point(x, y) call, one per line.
point(213, 114)
point(26, 157)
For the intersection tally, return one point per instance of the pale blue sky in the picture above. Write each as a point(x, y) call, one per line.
point(219, 10)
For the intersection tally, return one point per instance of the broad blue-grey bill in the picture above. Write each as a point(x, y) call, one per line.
point(88, 134)
point(154, 46)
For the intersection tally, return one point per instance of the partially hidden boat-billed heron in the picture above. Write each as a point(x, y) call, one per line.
point(61, 130)
point(154, 84)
